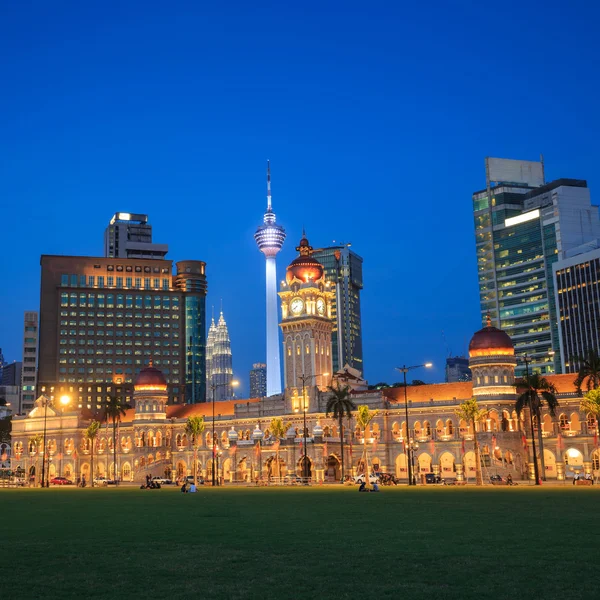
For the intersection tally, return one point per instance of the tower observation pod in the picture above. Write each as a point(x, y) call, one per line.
point(269, 238)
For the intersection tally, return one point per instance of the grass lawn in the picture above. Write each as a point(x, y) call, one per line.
point(300, 543)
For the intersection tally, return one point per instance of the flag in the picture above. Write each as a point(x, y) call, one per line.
point(463, 445)
point(325, 450)
point(493, 442)
point(374, 444)
point(404, 445)
point(276, 445)
point(301, 446)
point(524, 441)
point(596, 438)
point(559, 441)
point(432, 447)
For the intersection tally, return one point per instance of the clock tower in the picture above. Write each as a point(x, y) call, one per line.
point(306, 324)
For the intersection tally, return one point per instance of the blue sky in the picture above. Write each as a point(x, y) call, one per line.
point(376, 117)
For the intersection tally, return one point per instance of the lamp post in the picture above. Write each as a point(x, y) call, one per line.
point(304, 379)
point(527, 359)
point(44, 449)
point(257, 436)
point(213, 388)
point(410, 447)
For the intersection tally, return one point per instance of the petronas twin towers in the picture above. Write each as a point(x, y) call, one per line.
point(219, 368)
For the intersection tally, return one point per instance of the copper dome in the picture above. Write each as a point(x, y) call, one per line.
point(150, 376)
point(304, 267)
point(490, 340)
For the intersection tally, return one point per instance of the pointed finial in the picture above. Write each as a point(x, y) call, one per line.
point(221, 306)
point(488, 320)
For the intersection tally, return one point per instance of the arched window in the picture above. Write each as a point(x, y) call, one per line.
point(564, 421)
point(449, 427)
point(591, 422)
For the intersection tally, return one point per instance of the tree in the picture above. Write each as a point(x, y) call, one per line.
point(469, 411)
point(417, 382)
point(363, 419)
point(91, 433)
point(538, 390)
point(339, 405)
point(115, 409)
point(278, 429)
point(589, 371)
point(194, 428)
point(591, 404)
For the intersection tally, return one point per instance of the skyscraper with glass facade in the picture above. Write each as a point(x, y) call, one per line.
point(344, 268)
point(103, 319)
point(521, 230)
point(258, 380)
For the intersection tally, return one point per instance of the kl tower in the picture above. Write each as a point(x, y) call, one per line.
point(269, 239)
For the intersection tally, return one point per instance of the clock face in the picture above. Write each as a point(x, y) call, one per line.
point(296, 306)
point(321, 306)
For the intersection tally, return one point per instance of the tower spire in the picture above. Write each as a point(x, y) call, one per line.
point(268, 185)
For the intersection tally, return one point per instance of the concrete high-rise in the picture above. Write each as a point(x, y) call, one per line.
point(344, 268)
point(270, 237)
point(103, 319)
point(219, 364)
point(258, 380)
point(130, 236)
point(522, 227)
point(29, 371)
point(11, 373)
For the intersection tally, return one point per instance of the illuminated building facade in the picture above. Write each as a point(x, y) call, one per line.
point(577, 288)
point(269, 238)
point(101, 319)
point(129, 235)
point(219, 365)
point(520, 234)
point(343, 268)
point(152, 439)
point(258, 380)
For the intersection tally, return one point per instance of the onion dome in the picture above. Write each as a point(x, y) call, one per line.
point(257, 434)
point(150, 378)
point(490, 341)
point(318, 430)
point(232, 434)
point(304, 267)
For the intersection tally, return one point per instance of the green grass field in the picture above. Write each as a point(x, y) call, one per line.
point(299, 543)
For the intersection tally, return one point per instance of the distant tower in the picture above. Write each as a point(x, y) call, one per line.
point(219, 367)
point(210, 344)
point(269, 238)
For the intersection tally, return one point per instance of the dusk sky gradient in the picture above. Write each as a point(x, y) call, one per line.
point(376, 118)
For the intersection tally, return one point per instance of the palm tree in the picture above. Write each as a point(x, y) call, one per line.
point(363, 418)
point(194, 428)
point(115, 409)
point(340, 404)
point(589, 369)
point(469, 411)
point(591, 404)
point(278, 429)
point(539, 390)
point(90, 434)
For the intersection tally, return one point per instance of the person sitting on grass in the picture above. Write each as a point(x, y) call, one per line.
point(184, 487)
point(363, 487)
point(375, 487)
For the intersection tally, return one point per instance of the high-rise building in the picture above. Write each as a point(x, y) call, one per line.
point(306, 322)
point(29, 372)
point(525, 228)
point(457, 369)
point(258, 380)
point(219, 366)
point(344, 268)
point(11, 373)
point(270, 237)
point(103, 319)
point(130, 236)
point(577, 289)
point(2, 362)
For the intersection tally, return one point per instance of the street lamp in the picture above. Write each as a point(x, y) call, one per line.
point(304, 379)
point(527, 359)
point(410, 448)
point(46, 401)
point(213, 387)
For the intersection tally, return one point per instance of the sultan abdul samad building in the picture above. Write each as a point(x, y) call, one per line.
point(151, 436)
